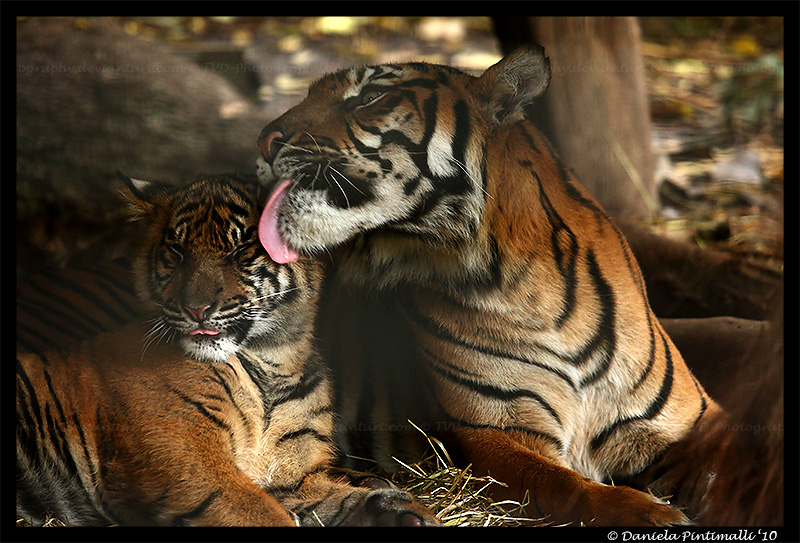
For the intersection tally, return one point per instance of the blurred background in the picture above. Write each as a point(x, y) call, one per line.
point(173, 97)
point(130, 93)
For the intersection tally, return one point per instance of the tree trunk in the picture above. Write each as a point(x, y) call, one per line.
point(595, 110)
point(685, 281)
point(717, 344)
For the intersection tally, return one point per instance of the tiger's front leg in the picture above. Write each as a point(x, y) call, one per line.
point(556, 492)
point(325, 501)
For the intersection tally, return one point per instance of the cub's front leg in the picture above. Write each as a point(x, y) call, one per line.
point(558, 493)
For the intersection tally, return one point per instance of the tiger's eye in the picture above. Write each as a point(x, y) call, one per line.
point(370, 96)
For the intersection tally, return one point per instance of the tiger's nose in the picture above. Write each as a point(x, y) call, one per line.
point(199, 313)
point(271, 144)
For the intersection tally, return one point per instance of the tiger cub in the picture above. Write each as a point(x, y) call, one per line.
point(533, 337)
point(217, 411)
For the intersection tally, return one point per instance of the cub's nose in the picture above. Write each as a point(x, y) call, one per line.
point(200, 313)
point(271, 144)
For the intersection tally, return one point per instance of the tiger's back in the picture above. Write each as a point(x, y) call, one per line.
point(60, 308)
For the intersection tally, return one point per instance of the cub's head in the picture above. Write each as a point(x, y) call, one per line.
point(395, 150)
point(201, 264)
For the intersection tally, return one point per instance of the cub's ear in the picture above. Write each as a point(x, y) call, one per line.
point(506, 88)
point(138, 194)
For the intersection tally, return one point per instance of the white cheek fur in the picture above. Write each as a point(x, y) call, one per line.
point(310, 222)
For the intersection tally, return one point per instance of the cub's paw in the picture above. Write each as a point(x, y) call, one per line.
point(386, 505)
point(392, 507)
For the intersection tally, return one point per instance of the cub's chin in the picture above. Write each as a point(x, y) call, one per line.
point(209, 349)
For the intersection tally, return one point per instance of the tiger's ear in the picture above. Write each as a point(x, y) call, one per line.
point(507, 87)
point(139, 195)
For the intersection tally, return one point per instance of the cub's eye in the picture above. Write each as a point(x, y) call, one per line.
point(370, 96)
point(247, 241)
point(238, 250)
point(175, 249)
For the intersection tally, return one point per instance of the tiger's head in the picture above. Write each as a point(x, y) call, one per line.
point(200, 263)
point(394, 153)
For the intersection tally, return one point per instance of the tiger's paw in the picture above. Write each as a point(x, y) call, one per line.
point(625, 506)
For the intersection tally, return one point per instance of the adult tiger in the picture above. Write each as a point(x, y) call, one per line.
point(228, 421)
point(58, 308)
point(527, 308)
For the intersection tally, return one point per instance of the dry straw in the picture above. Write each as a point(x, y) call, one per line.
point(455, 495)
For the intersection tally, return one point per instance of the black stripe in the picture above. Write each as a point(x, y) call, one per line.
point(703, 403)
point(220, 379)
point(564, 174)
point(326, 409)
point(428, 353)
point(307, 386)
point(439, 331)
point(106, 445)
point(491, 391)
point(37, 340)
point(421, 82)
point(361, 71)
point(237, 213)
point(565, 250)
point(370, 154)
point(186, 518)
point(304, 432)
point(457, 183)
point(92, 296)
point(463, 132)
point(69, 323)
point(73, 319)
point(201, 408)
point(246, 192)
point(455, 422)
point(410, 185)
point(116, 293)
point(31, 394)
point(92, 468)
point(262, 381)
point(28, 339)
point(651, 355)
point(57, 431)
point(495, 271)
point(605, 337)
point(291, 292)
point(312, 505)
point(430, 108)
point(184, 214)
point(27, 429)
point(652, 410)
point(292, 487)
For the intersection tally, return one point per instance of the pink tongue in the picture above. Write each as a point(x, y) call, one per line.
point(268, 227)
point(203, 331)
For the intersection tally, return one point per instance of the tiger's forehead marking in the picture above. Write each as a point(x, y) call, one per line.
point(208, 212)
point(350, 82)
point(356, 79)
